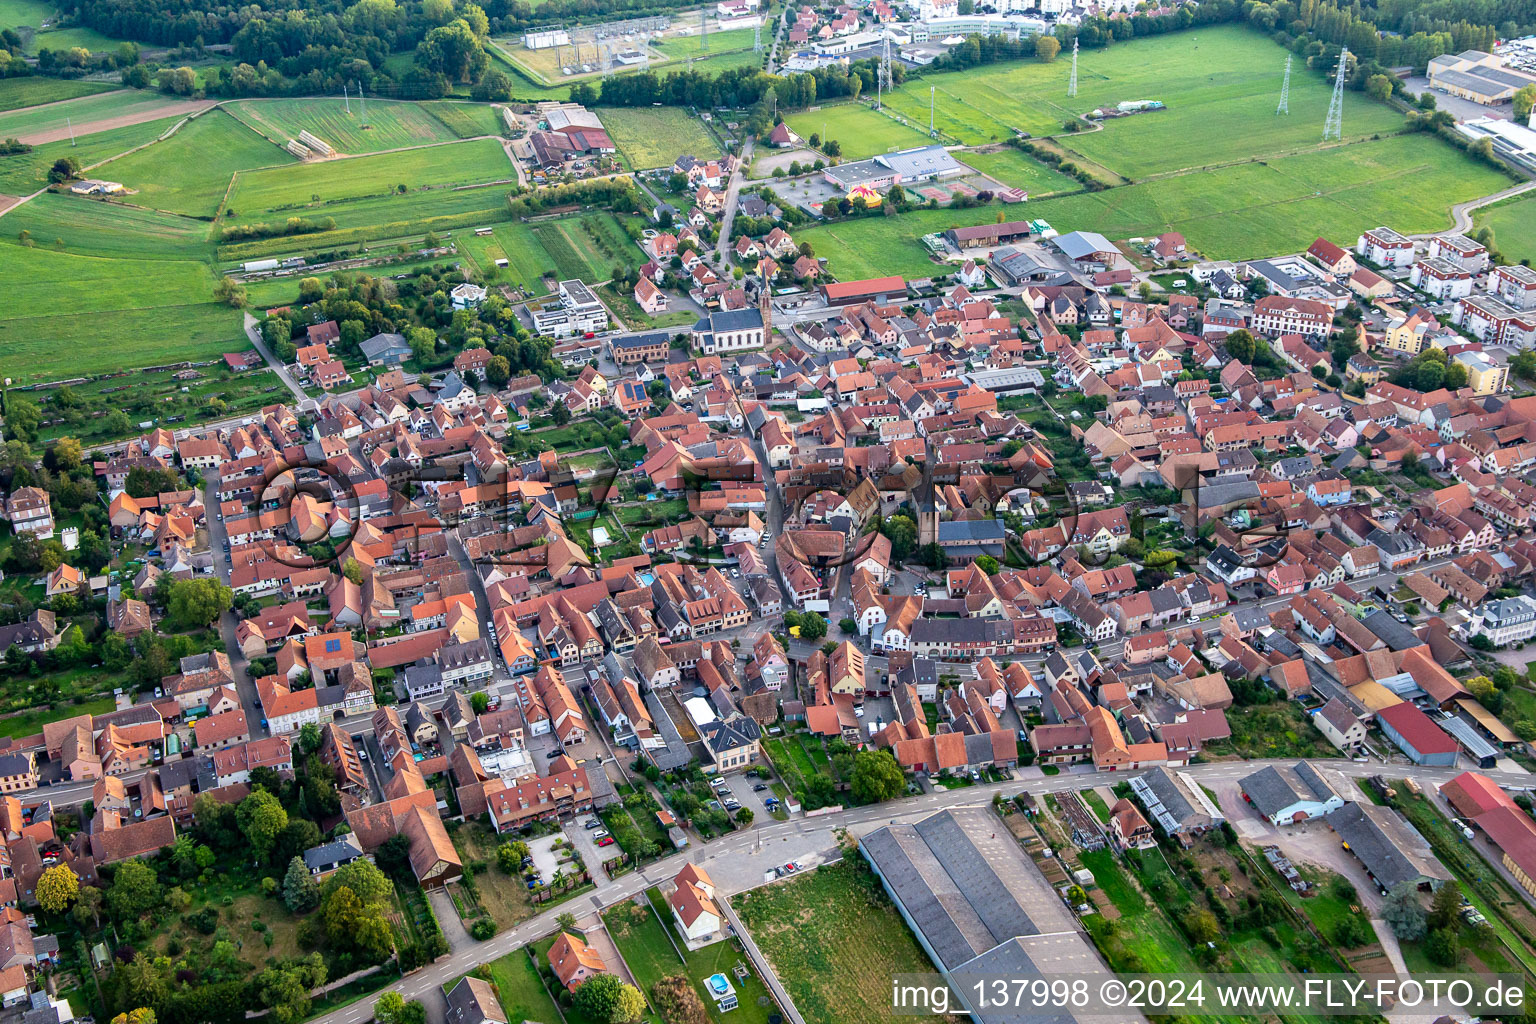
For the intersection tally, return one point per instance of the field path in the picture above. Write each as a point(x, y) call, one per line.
point(1461, 213)
point(58, 134)
point(6, 202)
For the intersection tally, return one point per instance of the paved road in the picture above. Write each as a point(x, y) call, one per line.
point(732, 193)
point(1461, 213)
point(740, 861)
point(254, 333)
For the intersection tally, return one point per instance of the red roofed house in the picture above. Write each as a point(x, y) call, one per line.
point(693, 906)
point(574, 961)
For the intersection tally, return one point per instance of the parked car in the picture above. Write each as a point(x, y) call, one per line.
point(759, 787)
point(601, 833)
point(554, 753)
point(791, 867)
point(592, 823)
point(605, 841)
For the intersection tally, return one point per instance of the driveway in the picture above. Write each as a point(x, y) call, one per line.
point(453, 929)
point(592, 855)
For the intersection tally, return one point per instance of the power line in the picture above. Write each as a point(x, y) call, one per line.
point(1072, 82)
point(1333, 128)
point(1285, 90)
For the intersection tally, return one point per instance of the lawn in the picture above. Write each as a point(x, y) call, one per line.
point(835, 941)
point(861, 131)
point(466, 120)
point(313, 189)
point(27, 92)
point(1020, 170)
point(390, 124)
point(27, 172)
point(522, 994)
point(1142, 928)
point(1235, 212)
point(656, 136)
point(650, 948)
point(30, 723)
point(1514, 228)
point(190, 172)
point(81, 111)
point(1096, 804)
point(1217, 82)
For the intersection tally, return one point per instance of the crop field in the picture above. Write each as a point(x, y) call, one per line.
point(94, 227)
point(656, 136)
point(25, 173)
point(466, 120)
point(1012, 167)
point(16, 93)
point(1218, 83)
point(1235, 212)
point(82, 111)
point(860, 131)
point(311, 189)
point(190, 172)
point(391, 124)
point(1514, 228)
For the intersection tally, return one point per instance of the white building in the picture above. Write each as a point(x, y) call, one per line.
point(576, 312)
point(693, 906)
point(1386, 248)
point(1442, 278)
point(1460, 250)
point(1504, 622)
point(1495, 323)
point(1515, 286)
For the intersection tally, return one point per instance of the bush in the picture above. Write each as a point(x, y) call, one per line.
point(482, 929)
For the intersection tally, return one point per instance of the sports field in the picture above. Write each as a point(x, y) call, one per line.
point(1012, 167)
point(1249, 210)
point(656, 136)
point(860, 131)
point(390, 124)
point(587, 246)
point(26, 92)
point(190, 172)
point(1514, 228)
point(1220, 84)
point(312, 189)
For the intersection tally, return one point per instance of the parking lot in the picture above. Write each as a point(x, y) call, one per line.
point(592, 855)
point(740, 787)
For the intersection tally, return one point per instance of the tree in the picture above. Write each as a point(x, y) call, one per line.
point(1403, 912)
point(389, 1008)
point(57, 888)
point(605, 998)
point(196, 602)
point(498, 370)
point(812, 626)
point(230, 292)
point(1455, 376)
point(1351, 932)
point(509, 856)
point(848, 626)
point(1201, 926)
point(1444, 908)
point(876, 777)
point(1241, 346)
point(480, 702)
point(1524, 99)
point(1046, 48)
point(423, 342)
point(88, 907)
point(988, 565)
point(676, 1000)
point(67, 453)
point(261, 817)
point(902, 532)
point(1523, 364)
point(1443, 947)
point(300, 891)
point(22, 417)
point(63, 169)
point(142, 1015)
point(1379, 87)
point(135, 890)
point(352, 571)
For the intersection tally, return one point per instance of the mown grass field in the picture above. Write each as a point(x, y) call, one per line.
point(392, 124)
point(466, 120)
point(1236, 212)
point(93, 227)
point(656, 136)
point(81, 111)
point(190, 172)
point(860, 131)
point(587, 246)
point(1514, 228)
point(1012, 167)
point(32, 13)
point(26, 92)
point(519, 989)
point(680, 47)
point(25, 173)
point(1220, 84)
point(835, 941)
point(312, 189)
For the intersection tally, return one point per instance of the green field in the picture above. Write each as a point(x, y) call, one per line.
point(587, 247)
point(391, 124)
point(859, 130)
point(1237, 212)
point(656, 136)
point(466, 120)
point(682, 47)
point(1514, 228)
point(835, 940)
point(30, 15)
point(1220, 85)
point(329, 188)
point(190, 172)
point(93, 227)
point(81, 111)
point(1013, 167)
point(26, 92)
point(25, 173)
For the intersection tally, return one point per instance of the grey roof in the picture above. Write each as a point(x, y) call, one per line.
point(1249, 617)
point(381, 344)
point(644, 339)
point(977, 531)
point(731, 320)
point(1079, 244)
point(1391, 850)
point(979, 904)
point(730, 733)
point(1393, 633)
point(343, 848)
point(1273, 789)
point(1174, 803)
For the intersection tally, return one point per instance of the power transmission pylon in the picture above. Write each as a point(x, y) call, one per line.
point(930, 111)
point(346, 99)
point(757, 38)
point(1333, 128)
point(1285, 90)
point(1072, 82)
point(883, 78)
point(704, 29)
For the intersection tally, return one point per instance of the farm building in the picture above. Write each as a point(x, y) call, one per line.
point(1089, 250)
point(988, 234)
point(1391, 852)
point(1416, 735)
point(877, 289)
point(923, 163)
point(1290, 794)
